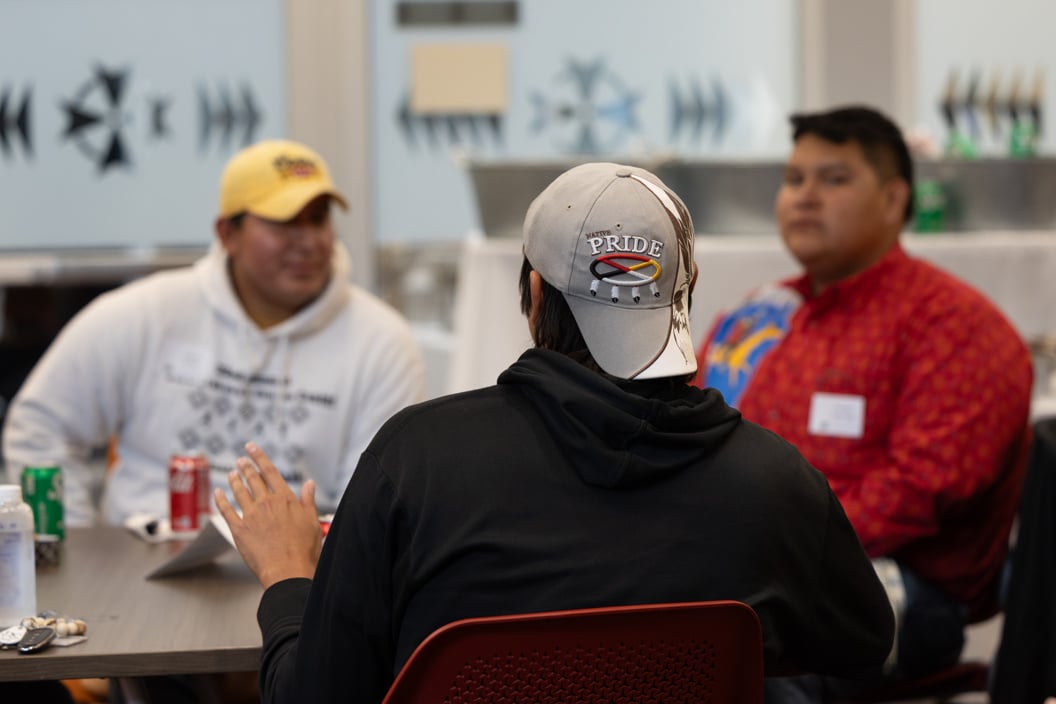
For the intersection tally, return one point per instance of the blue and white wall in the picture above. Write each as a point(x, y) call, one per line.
point(584, 78)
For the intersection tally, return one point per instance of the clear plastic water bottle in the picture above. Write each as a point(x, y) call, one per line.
point(18, 575)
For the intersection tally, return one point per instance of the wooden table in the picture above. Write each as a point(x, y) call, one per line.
point(202, 620)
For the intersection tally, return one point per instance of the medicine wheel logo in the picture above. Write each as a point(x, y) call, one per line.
point(98, 118)
point(625, 270)
point(588, 109)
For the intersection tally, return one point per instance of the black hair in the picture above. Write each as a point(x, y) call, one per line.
point(879, 137)
point(556, 328)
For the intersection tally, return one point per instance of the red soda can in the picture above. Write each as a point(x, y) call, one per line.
point(188, 493)
point(205, 491)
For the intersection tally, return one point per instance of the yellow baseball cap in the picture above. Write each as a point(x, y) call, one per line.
point(274, 179)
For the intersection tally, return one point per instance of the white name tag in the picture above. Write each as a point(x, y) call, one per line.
point(836, 415)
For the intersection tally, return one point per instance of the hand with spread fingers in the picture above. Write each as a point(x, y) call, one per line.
point(278, 534)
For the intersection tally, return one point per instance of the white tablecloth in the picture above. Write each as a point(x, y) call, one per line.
point(1017, 270)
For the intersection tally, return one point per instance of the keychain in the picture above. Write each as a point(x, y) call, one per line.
point(36, 639)
point(9, 637)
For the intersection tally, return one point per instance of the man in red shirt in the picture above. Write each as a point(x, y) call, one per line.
point(907, 388)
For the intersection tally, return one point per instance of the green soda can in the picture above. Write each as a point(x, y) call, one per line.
point(42, 490)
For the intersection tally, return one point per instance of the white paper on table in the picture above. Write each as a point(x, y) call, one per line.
point(212, 541)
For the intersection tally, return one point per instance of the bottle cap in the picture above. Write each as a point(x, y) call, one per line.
point(10, 493)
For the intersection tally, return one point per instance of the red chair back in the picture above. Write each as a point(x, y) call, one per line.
point(706, 652)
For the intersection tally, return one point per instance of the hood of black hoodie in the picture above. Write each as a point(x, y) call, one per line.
point(619, 433)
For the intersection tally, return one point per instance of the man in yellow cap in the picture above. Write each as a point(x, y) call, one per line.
point(264, 337)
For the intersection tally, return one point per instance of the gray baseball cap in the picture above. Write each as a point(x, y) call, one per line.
point(618, 244)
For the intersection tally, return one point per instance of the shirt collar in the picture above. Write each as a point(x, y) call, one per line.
point(866, 279)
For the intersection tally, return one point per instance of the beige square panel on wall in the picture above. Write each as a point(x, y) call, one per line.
point(458, 78)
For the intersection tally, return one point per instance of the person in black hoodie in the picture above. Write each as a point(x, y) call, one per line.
point(590, 475)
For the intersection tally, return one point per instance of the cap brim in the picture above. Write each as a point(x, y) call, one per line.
point(289, 201)
point(624, 341)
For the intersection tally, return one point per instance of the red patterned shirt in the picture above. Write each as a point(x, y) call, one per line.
point(911, 392)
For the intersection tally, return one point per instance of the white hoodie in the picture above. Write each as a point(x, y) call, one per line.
point(170, 364)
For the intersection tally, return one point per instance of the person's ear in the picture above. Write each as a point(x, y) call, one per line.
point(898, 195)
point(693, 281)
point(535, 288)
point(224, 229)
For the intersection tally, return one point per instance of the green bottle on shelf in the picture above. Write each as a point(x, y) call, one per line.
point(961, 146)
point(1023, 142)
point(929, 206)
